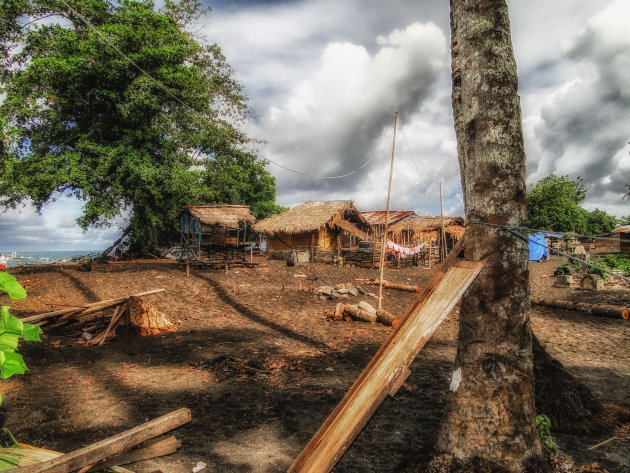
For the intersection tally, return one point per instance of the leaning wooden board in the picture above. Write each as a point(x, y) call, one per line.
point(388, 369)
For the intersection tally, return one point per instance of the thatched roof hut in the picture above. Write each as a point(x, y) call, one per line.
point(419, 229)
point(313, 216)
point(214, 225)
point(226, 216)
point(315, 226)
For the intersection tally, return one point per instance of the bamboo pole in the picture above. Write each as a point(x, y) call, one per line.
point(442, 237)
point(389, 194)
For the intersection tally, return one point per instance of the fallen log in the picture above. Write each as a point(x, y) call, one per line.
point(387, 318)
point(394, 285)
point(358, 314)
point(87, 308)
point(111, 446)
point(606, 310)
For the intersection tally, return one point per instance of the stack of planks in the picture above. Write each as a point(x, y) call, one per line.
point(128, 310)
point(116, 450)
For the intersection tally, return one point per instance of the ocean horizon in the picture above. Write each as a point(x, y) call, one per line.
point(17, 258)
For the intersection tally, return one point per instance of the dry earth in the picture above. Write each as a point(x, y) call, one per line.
point(260, 366)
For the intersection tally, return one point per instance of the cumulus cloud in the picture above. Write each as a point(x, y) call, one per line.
point(54, 229)
point(582, 128)
point(342, 115)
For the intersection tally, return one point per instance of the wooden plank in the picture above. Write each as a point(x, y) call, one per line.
point(87, 308)
point(382, 375)
point(111, 446)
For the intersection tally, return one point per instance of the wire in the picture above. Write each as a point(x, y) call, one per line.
point(514, 231)
point(196, 113)
point(410, 154)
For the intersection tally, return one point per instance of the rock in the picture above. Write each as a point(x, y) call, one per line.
point(371, 294)
point(360, 289)
point(326, 290)
point(593, 282)
point(367, 307)
point(342, 290)
point(340, 286)
point(353, 292)
point(563, 280)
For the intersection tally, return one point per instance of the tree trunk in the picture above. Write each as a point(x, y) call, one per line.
point(490, 416)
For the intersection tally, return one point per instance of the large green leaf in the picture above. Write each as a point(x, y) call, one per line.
point(10, 323)
point(9, 284)
point(13, 364)
point(31, 333)
point(9, 341)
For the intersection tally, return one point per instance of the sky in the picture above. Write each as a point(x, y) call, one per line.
point(324, 78)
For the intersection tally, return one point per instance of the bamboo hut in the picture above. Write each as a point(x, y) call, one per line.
point(314, 231)
point(377, 218)
point(416, 230)
point(209, 230)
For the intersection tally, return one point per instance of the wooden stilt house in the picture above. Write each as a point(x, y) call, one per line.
point(210, 229)
point(314, 231)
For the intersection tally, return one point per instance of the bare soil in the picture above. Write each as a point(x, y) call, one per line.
point(260, 365)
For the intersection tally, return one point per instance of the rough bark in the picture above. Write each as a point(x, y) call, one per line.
point(491, 413)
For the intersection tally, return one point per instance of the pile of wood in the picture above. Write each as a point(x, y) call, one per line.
point(364, 314)
point(104, 317)
point(113, 451)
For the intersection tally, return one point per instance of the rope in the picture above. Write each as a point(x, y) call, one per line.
point(195, 113)
point(514, 231)
point(412, 159)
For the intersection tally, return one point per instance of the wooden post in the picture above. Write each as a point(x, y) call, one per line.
point(442, 237)
point(389, 194)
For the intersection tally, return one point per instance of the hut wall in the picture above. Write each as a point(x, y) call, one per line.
point(287, 241)
point(612, 244)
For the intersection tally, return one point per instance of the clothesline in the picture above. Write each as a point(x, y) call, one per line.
point(406, 251)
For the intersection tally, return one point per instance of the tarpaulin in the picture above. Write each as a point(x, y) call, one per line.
point(537, 247)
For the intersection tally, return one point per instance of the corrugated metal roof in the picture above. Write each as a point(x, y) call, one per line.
point(378, 217)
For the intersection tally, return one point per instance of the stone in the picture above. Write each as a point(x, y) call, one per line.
point(593, 282)
point(326, 290)
point(367, 307)
point(353, 292)
point(563, 280)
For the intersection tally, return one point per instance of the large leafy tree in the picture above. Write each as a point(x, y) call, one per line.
point(553, 203)
point(118, 104)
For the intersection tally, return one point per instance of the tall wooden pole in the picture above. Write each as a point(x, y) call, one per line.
point(389, 195)
point(442, 237)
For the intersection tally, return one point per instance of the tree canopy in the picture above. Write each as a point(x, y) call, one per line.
point(553, 203)
point(131, 113)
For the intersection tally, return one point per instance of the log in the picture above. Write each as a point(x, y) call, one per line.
point(338, 312)
point(147, 320)
point(87, 308)
point(388, 367)
point(394, 285)
point(605, 310)
point(358, 314)
point(110, 446)
point(387, 318)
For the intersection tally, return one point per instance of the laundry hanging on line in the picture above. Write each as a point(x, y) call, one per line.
point(404, 250)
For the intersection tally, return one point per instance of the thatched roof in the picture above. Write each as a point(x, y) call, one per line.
point(378, 217)
point(311, 216)
point(418, 224)
point(228, 216)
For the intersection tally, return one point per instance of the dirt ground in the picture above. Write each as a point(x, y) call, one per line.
point(260, 366)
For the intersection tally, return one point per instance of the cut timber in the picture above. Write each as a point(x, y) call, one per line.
point(383, 373)
point(358, 314)
point(606, 310)
point(86, 309)
point(156, 448)
point(387, 318)
point(146, 319)
point(393, 285)
point(111, 446)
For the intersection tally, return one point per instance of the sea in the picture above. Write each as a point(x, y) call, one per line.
point(17, 258)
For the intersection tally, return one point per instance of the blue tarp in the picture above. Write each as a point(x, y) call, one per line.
point(537, 247)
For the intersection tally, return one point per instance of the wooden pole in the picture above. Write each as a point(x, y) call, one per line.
point(389, 194)
point(442, 237)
